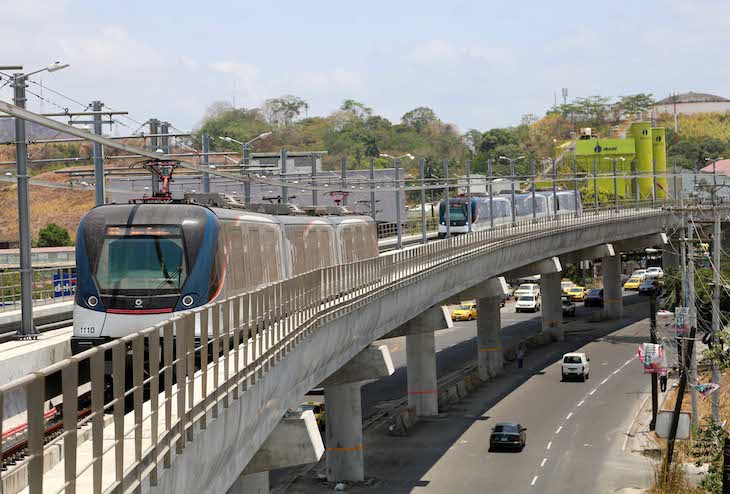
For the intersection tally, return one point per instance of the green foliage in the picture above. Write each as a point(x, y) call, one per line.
point(284, 110)
point(53, 235)
point(706, 447)
point(635, 104)
point(419, 118)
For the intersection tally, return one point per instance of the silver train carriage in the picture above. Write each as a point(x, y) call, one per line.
point(546, 203)
point(140, 264)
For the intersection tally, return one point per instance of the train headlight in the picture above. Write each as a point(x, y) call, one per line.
point(92, 301)
point(188, 300)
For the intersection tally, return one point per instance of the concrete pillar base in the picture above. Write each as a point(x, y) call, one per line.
point(489, 338)
point(555, 333)
point(613, 303)
point(421, 372)
point(343, 432)
point(255, 483)
point(552, 305)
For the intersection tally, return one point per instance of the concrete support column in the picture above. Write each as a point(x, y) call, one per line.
point(255, 483)
point(421, 363)
point(552, 305)
point(613, 302)
point(343, 433)
point(489, 337)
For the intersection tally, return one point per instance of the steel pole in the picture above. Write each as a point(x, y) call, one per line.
point(716, 376)
point(635, 167)
point(398, 219)
point(421, 169)
point(534, 192)
point(246, 152)
point(26, 269)
point(447, 208)
point(343, 162)
point(154, 129)
point(615, 186)
point(691, 303)
point(373, 211)
point(595, 185)
point(98, 150)
point(284, 189)
point(468, 196)
point(653, 339)
point(315, 199)
point(675, 181)
point(653, 182)
point(165, 139)
point(556, 206)
point(512, 190)
point(491, 193)
point(575, 184)
point(206, 150)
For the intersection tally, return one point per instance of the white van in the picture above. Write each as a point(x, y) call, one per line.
point(532, 289)
point(575, 365)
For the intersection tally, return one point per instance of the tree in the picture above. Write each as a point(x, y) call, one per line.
point(419, 118)
point(284, 110)
point(494, 138)
point(356, 109)
point(473, 139)
point(53, 235)
point(635, 104)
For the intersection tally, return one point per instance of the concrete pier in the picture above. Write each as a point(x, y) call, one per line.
point(421, 361)
point(489, 338)
point(552, 305)
point(343, 433)
point(613, 302)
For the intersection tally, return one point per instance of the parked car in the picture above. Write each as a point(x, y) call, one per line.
point(528, 303)
point(624, 278)
point(655, 272)
point(594, 298)
point(577, 293)
point(505, 297)
point(317, 409)
point(633, 283)
point(527, 289)
point(566, 285)
point(465, 312)
point(508, 435)
point(575, 365)
point(568, 307)
point(649, 285)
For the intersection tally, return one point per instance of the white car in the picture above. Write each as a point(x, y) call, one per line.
point(639, 273)
point(528, 303)
point(655, 272)
point(527, 289)
point(575, 365)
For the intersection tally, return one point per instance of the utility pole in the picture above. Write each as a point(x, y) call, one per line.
point(246, 153)
point(398, 219)
point(468, 196)
point(678, 403)
point(165, 139)
point(154, 130)
point(206, 150)
point(693, 323)
point(421, 169)
point(653, 339)
point(555, 190)
point(447, 206)
point(99, 180)
point(595, 186)
point(491, 193)
point(26, 270)
point(284, 167)
point(534, 192)
point(314, 179)
point(373, 211)
point(716, 376)
point(343, 162)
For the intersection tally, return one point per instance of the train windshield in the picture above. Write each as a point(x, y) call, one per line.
point(457, 212)
point(142, 260)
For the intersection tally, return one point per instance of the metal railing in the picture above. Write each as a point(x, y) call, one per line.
point(409, 227)
point(247, 335)
point(50, 285)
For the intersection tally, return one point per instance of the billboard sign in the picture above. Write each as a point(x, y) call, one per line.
point(64, 287)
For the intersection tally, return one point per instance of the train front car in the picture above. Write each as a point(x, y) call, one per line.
point(139, 264)
point(458, 215)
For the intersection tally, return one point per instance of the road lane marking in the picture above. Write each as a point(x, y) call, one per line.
point(559, 429)
point(569, 415)
point(543, 462)
point(579, 404)
point(534, 480)
point(604, 381)
point(591, 393)
point(549, 444)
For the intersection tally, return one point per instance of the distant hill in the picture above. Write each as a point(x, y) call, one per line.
point(32, 131)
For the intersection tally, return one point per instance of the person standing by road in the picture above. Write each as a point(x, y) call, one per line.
point(520, 357)
point(663, 380)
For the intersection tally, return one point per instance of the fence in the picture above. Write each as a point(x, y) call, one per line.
point(50, 285)
point(408, 227)
point(247, 335)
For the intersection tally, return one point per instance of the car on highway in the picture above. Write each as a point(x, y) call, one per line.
point(577, 293)
point(649, 285)
point(566, 285)
point(655, 272)
point(527, 289)
point(528, 303)
point(639, 273)
point(575, 365)
point(568, 307)
point(508, 435)
point(594, 298)
point(318, 409)
point(465, 312)
point(633, 283)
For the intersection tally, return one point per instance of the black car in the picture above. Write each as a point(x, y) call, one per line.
point(508, 435)
point(594, 298)
point(568, 307)
point(649, 285)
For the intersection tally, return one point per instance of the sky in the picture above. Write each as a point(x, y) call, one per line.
point(478, 64)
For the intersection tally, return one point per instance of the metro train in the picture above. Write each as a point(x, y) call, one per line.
point(140, 264)
point(546, 203)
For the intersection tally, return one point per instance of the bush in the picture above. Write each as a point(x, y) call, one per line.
point(53, 235)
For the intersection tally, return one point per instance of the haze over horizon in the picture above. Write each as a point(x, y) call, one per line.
point(477, 65)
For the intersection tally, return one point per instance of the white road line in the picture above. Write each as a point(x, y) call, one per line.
point(569, 415)
point(559, 429)
point(604, 381)
point(549, 444)
point(591, 393)
point(616, 371)
point(543, 462)
point(534, 480)
point(579, 404)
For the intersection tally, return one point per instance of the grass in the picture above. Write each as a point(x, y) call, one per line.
point(676, 482)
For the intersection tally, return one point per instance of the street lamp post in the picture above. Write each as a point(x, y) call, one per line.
point(615, 179)
point(21, 149)
point(512, 179)
point(398, 225)
point(246, 161)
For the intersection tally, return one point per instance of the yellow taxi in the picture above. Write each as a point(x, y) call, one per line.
point(632, 283)
point(465, 312)
point(576, 293)
point(317, 409)
point(566, 285)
